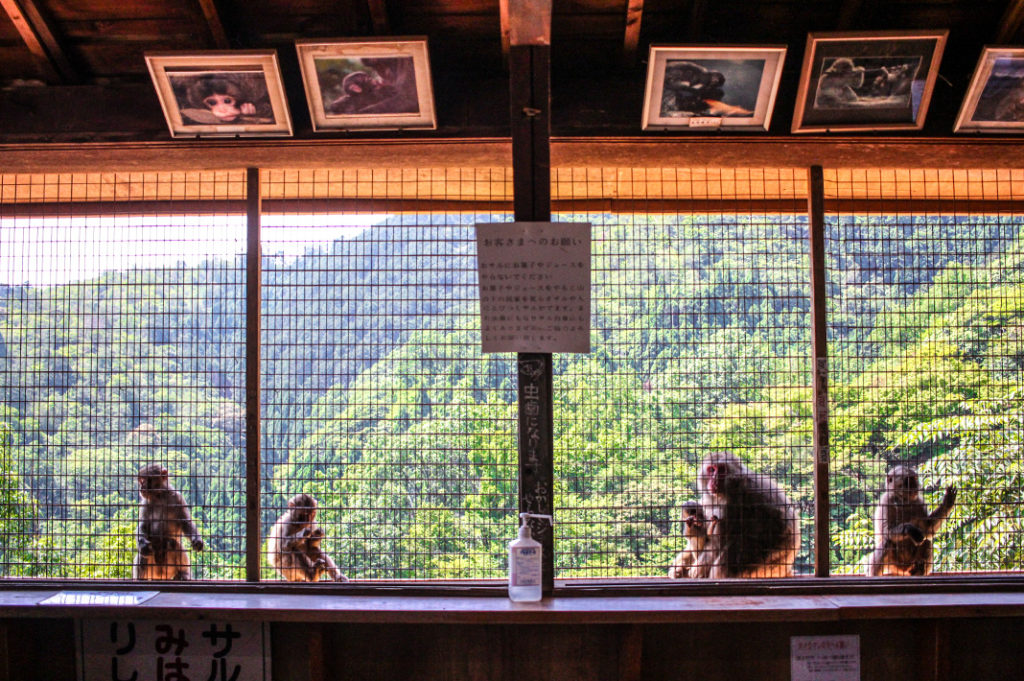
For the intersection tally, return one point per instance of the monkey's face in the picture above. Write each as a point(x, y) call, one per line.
point(693, 516)
point(716, 474)
point(224, 106)
point(902, 481)
point(151, 485)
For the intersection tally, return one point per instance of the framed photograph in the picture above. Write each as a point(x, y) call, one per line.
point(867, 81)
point(221, 93)
point(995, 98)
point(695, 87)
point(359, 84)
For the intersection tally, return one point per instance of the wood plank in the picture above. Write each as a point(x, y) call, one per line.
point(819, 369)
point(634, 18)
point(379, 17)
point(212, 15)
point(1009, 26)
point(40, 40)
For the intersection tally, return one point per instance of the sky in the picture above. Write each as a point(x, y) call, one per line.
point(51, 251)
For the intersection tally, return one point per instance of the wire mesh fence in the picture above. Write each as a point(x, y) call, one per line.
point(122, 342)
point(926, 344)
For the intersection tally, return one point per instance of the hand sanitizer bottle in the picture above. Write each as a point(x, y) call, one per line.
point(525, 563)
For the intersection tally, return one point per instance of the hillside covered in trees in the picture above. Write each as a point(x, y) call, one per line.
point(377, 400)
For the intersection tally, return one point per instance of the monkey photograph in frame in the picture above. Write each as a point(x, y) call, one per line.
point(223, 93)
point(695, 87)
point(881, 80)
point(359, 84)
point(995, 97)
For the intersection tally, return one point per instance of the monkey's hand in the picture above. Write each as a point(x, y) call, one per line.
point(950, 497)
point(197, 544)
point(248, 108)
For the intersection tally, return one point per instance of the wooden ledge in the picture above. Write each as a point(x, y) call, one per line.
point(336, 606)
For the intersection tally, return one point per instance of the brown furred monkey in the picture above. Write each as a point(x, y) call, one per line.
point(163, 520)
point(696, 532)
point(754, 529)
point(900, 504)
point(294, 545)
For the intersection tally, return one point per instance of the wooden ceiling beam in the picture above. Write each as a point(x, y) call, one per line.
point(506, 29)
point(1010, 25)
point(40, 40)
point(379, 17)
point(214, 23)
point(634, 16)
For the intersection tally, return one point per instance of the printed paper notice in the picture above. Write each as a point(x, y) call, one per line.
point(825, 658)
point(99, 598)
point(534, 286)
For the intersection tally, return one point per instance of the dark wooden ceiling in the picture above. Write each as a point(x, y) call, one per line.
point(73, 70)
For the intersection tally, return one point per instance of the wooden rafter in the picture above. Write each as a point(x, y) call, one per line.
point(40, 40)
point(379, 17)
point(506, 29)
point(1010, 24)
point(634, 15)
point(213, 22)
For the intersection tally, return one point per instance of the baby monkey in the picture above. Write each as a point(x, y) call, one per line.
point(696, 532)
point(903, 526)
point(294, 546)
point(163, 521)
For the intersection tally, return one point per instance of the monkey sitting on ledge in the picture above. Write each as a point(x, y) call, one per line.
point(696, 532)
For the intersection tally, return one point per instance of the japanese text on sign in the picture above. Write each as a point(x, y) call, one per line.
point(825, 658)
point(157, 650)
point(534, 286)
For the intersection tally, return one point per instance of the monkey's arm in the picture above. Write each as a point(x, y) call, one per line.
point(189, 527)
point(934, 521)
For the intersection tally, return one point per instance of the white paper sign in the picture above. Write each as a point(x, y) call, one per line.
point(534, 286)
point(825, 658)
point(99, 598)
point(153, 649)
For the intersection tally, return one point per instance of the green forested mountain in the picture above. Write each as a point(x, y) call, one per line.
point(377, 400)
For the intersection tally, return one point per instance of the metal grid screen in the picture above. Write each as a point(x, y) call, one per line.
point(700, 344)
point(376, 398)
point(926, 351)
point(121, 342)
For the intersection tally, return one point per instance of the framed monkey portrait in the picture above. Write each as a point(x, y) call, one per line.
point(880, 80)
point(711, 87)
point(995, 97)
point(359, 84)
point(223, 93)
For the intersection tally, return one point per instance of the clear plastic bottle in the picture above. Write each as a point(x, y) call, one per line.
point(525, 563)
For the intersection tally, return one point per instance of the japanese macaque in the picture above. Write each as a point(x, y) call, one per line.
point(696, 532)
point(899, 550)
point(754, 529)
point(294, 546)
point(163, 520)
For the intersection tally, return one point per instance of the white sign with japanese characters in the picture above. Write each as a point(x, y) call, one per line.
point(825, 658)
point(534, 286)
point(170, 650)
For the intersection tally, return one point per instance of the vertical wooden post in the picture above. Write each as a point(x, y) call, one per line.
point(819, 362)
point(530, 96)
point(253, 276)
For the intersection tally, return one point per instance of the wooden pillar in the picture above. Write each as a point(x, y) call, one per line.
point(819, 363)
point(530, 96)
point(253, 276)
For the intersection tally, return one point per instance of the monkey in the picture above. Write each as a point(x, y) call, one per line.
point(688, 87)
point(902, 553)
point(696, 532)
point(754, 530)
point(358, 90)
point(839, 83)
point(901, 504)
point(294, 546)
point(163, 520)
point(224, 99)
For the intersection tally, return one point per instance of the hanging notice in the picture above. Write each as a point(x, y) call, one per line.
point(155, 649)
point(534, 286)
point(825, 658)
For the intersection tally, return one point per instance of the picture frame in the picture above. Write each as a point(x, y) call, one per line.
point(711, 87)
point(859, 81)
point(360, 84)
point(221, 93)
point(995, 97)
